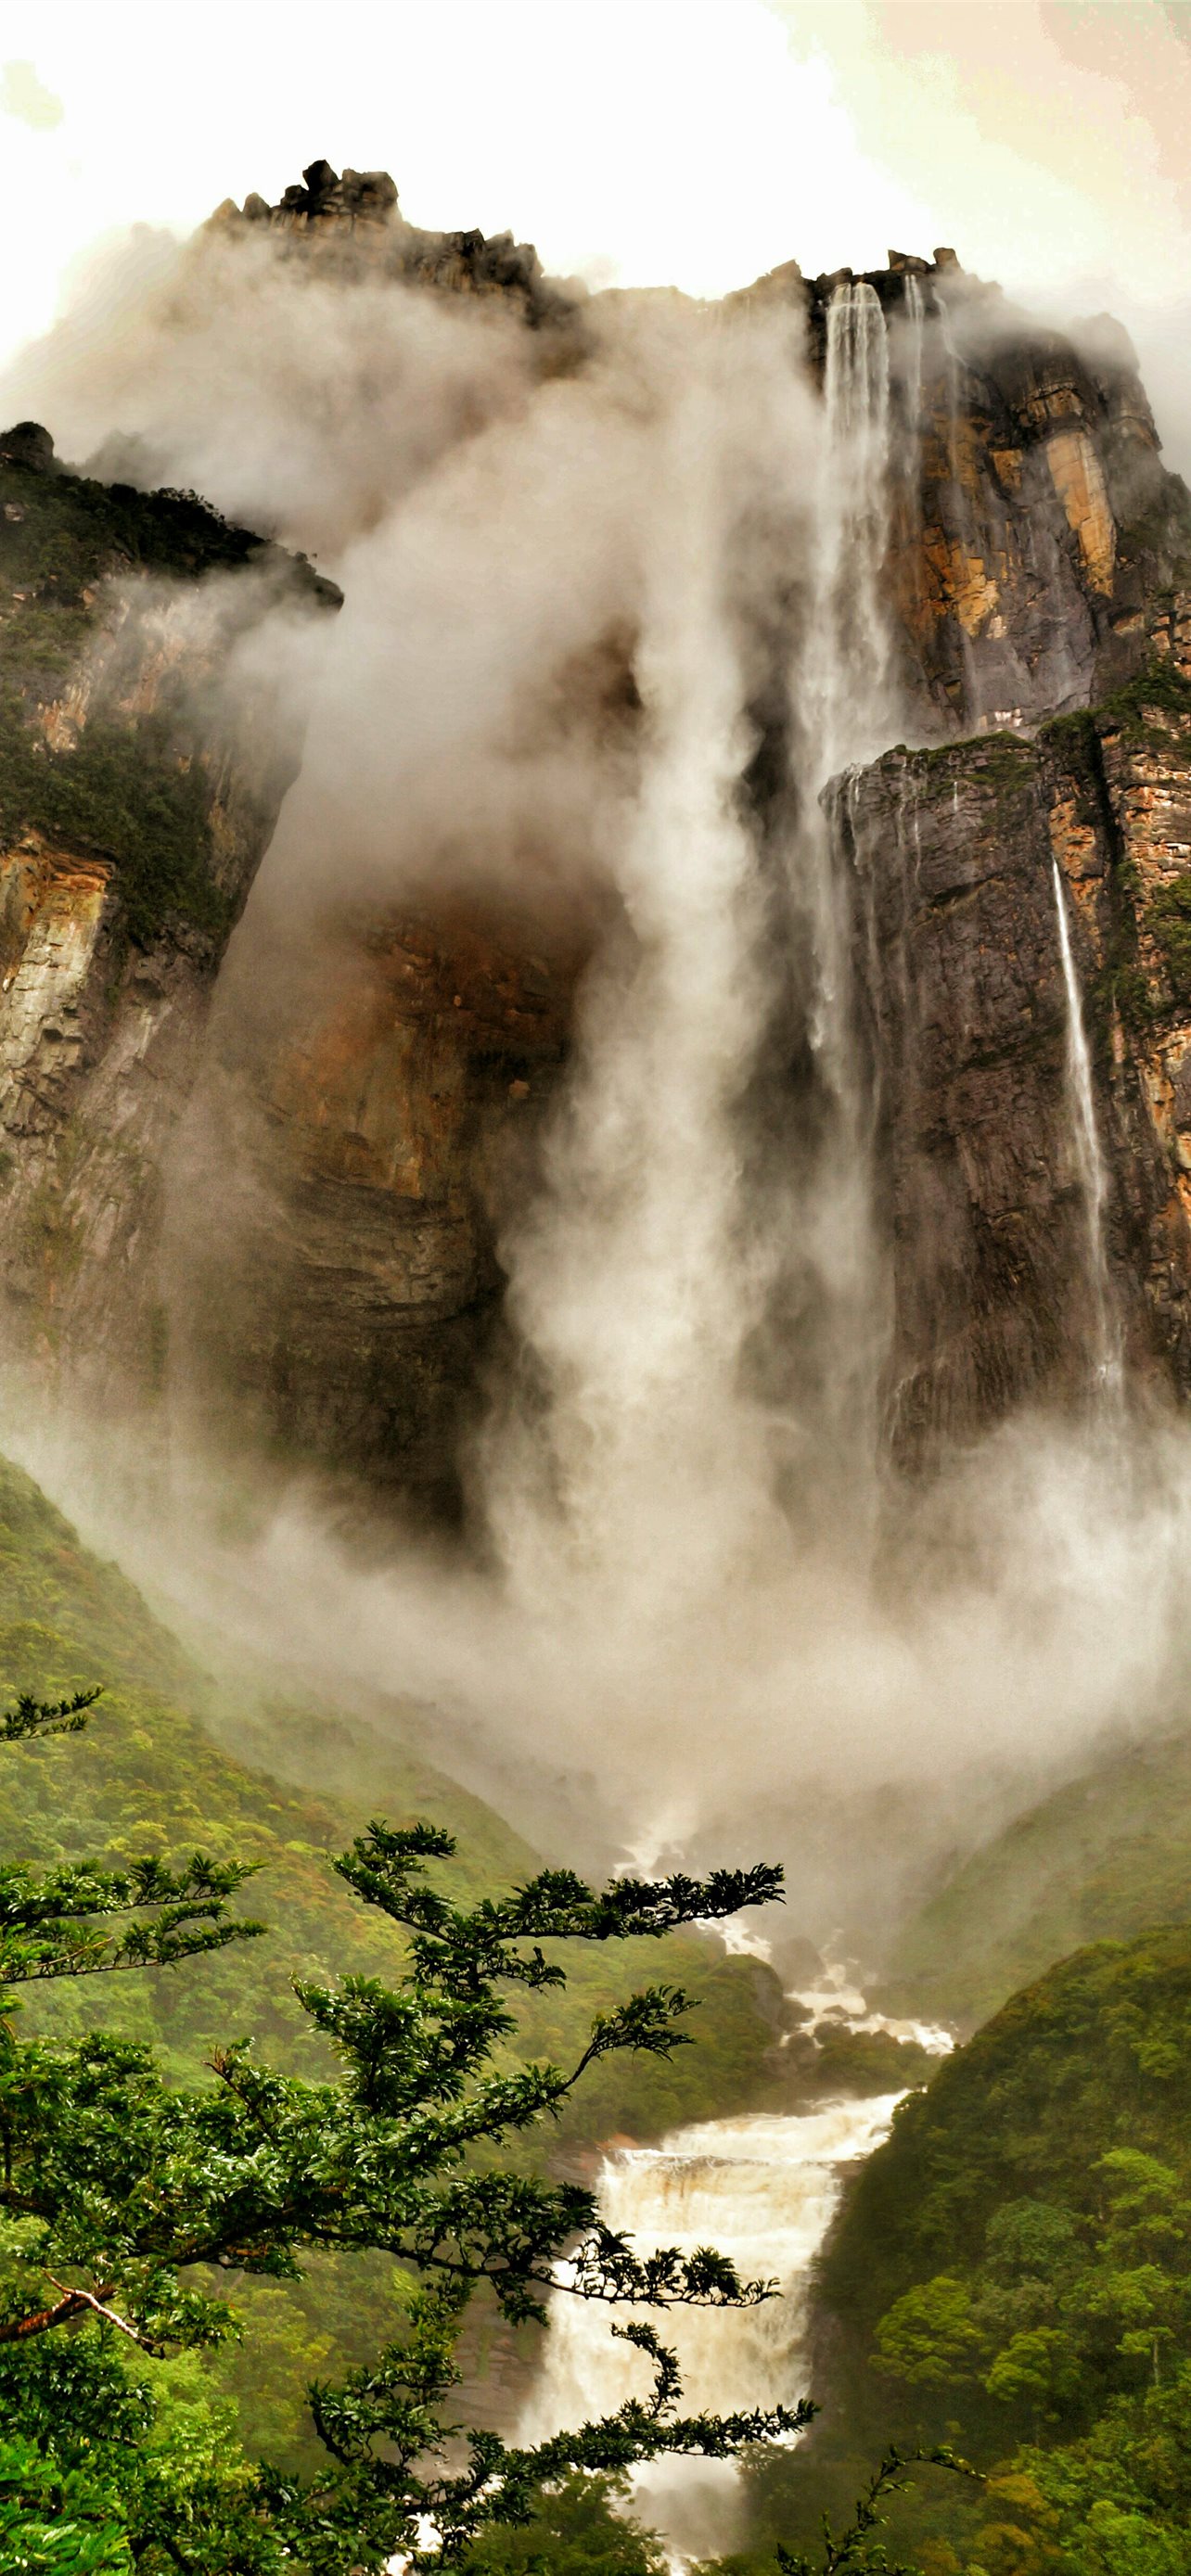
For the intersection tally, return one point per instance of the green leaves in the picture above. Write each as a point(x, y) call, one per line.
point(929, 2338)
point(48, 1922)
point(31, 1716)
point(115, 2184)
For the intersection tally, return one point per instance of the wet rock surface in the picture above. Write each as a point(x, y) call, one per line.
point(343, 1279)
point(957, 945)
point(135, 805)
point(377, 1116)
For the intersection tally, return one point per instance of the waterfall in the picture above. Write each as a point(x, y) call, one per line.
point(642, 1479)
point(1089, 1160)
point(843, 712)
point(764, 2190)
point(691, 1422)
point(850, 710)
point(915, 331)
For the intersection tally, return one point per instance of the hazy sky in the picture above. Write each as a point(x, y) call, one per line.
point(698, 141)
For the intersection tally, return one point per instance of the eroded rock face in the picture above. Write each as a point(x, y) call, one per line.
point(957, 943)
point(379, 1108)
point(1031, 525)
point(136, 800)
point(1032, 519)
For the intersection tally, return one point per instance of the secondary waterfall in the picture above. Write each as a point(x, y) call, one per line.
point(1089, 1161)
point(764, 2189)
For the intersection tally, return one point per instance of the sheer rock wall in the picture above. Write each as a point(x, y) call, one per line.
point(136, 801)
point(965, 1026)
point(332, 1262)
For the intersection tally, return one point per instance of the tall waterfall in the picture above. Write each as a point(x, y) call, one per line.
point(914, 364)
point(850, 701)
point(844, 712)
point(1089, 1160)
point(640, 1274)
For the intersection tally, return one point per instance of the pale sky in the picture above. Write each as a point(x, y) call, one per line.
point(697, 142)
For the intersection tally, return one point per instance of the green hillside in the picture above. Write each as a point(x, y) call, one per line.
point(1100, 1860)
point(1011, 2275)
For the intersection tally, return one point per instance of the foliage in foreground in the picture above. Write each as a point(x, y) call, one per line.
point(150, 1779)
point(115, 2186)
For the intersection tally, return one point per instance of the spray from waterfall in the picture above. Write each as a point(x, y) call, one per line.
point(638, 1277)
point(1089, 1160)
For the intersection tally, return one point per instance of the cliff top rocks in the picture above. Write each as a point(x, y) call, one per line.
point(27, 443)
point(354, 219)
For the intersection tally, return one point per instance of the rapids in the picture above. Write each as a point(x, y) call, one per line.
point(763, 2189)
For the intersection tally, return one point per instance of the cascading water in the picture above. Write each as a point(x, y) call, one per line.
point(763, 2190)
point(849, 647)
point(1089, 1161)
point(843, 711)
point(642, 1270)
point(706, 1172)
point(913, 346)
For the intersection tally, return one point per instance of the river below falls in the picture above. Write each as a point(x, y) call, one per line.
point(763, 2189)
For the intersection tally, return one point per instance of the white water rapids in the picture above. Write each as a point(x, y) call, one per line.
point(763, 2189)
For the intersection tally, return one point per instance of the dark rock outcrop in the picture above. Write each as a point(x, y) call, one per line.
point(379, 1107)
point(136, 800)
point(355, 221)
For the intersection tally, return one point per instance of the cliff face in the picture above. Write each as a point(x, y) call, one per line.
point(135, 804)
point(372, 1106)
point(379, 1107)
point(954, 854)
point(1032, 530)
point(1032, 521)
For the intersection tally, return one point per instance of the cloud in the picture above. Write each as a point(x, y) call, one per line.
point(26, 97)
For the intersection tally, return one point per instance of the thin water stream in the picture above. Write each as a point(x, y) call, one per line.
point(1089, 1160)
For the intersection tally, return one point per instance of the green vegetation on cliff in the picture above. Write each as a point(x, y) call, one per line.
point(1011, 2274)
point(124, 783)
point(1100, 1859)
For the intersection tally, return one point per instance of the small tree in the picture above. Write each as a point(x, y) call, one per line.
point(115, 2185)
